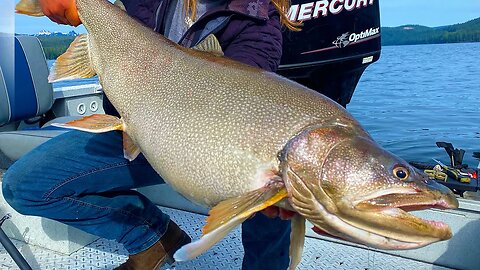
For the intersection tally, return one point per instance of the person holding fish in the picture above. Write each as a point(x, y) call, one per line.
point(225, 134)
point(248, 31)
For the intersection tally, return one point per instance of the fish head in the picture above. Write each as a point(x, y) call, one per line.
point(351, 188)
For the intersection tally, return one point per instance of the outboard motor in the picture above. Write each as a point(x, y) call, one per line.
point(339, 39)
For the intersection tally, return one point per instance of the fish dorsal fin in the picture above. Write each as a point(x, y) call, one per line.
point(229, 214)
point(29, 7)
point(210, 44)
point(74, 63)
point(297, 240)
point(120, 4)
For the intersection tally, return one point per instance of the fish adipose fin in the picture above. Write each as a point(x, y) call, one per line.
point(297, 240)
point(74, 63)
point(29, 7)
point(229, 214)
point(210, 44)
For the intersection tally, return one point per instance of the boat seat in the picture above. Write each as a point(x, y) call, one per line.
point(24, 89)
point(25, 94)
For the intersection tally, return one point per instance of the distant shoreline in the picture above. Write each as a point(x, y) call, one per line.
point(420, 44)
point(54, 46)
point(418, 34)
point(51, 53)
point(467, 32)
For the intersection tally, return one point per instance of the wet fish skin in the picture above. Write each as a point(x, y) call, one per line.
point(216, 130)
point(240, 116)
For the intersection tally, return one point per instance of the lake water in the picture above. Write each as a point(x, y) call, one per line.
point(417, 95)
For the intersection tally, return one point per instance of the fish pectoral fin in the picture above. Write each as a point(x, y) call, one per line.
point(29, 7)
point(244, 206)
point(97, 123)
point(210, 44)
point(75, 63)
point(297, 240)
point(192, 250)
point(229, 214)
point(130, 149)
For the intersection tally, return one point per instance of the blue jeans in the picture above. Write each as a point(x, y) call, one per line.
point(83, 180)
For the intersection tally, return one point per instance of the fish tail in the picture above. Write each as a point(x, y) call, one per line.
point(75, 63)
point(29, 7)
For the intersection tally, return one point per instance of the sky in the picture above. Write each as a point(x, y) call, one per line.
point(428, 12)
point(393, 13)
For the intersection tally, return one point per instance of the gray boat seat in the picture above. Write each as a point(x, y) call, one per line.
point(24, 89)
point(25, 93)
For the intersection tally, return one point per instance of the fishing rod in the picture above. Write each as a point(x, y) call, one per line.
point(10, 247)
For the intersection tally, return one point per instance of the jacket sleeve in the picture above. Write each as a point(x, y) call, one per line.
point(257, 43)
point(144, 11)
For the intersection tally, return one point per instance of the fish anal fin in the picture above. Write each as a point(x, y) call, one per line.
point(130, 149)
point(210, 44)
point(297, 240)
point(75, 63)
point(229, 214)
point(29, 7)
point(97, 123)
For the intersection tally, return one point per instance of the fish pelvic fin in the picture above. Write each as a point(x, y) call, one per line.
point(29, 7)
point(229, 214)
point(100, 123)
point(297, 241)
point(97, 123)
point(130, 149)
point(75, 63)
point(210, 44)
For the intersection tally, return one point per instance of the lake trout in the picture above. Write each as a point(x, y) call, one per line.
point(238, 139)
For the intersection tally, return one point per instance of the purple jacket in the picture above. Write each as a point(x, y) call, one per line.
point(249, 31)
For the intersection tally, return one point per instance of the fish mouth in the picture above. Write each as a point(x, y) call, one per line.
point(400, 204)
point(382, 220)
point(403, 200)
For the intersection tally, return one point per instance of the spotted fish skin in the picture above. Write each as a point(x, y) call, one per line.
point(240, 139)
point(211, 127)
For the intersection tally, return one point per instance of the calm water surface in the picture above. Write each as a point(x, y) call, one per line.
point(415, 96)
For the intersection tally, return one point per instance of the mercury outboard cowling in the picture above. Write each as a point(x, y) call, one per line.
point(338, 40)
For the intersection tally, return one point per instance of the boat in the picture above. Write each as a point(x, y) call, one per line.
point(30, 107)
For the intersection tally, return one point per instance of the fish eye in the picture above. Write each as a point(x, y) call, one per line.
point(401, 173)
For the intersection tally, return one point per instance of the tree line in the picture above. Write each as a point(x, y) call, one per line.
point(417, 34)
point(54, 46)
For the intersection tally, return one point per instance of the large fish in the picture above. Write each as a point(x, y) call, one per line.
point(239, 139)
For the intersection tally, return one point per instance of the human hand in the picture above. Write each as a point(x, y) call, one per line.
point(275, 211)
point(61, 11)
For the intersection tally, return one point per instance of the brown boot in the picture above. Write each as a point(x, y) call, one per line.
point(160, 253)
